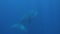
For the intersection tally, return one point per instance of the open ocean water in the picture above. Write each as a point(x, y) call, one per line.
point(47, 20)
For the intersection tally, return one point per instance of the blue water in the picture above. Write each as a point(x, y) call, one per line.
point(47, 21)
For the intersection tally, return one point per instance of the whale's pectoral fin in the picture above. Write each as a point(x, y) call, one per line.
point(19, 26)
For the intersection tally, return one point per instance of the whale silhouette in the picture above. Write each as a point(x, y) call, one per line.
point(25, 20)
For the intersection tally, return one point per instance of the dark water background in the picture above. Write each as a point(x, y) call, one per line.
point(47, 22)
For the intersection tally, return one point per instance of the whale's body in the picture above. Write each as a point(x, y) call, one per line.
point(25, 20)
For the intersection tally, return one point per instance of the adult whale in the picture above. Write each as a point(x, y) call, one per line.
point(25, 20)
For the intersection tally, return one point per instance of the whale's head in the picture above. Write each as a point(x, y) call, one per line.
point(32, 13)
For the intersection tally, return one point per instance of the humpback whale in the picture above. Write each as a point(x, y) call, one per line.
point(25, 20)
